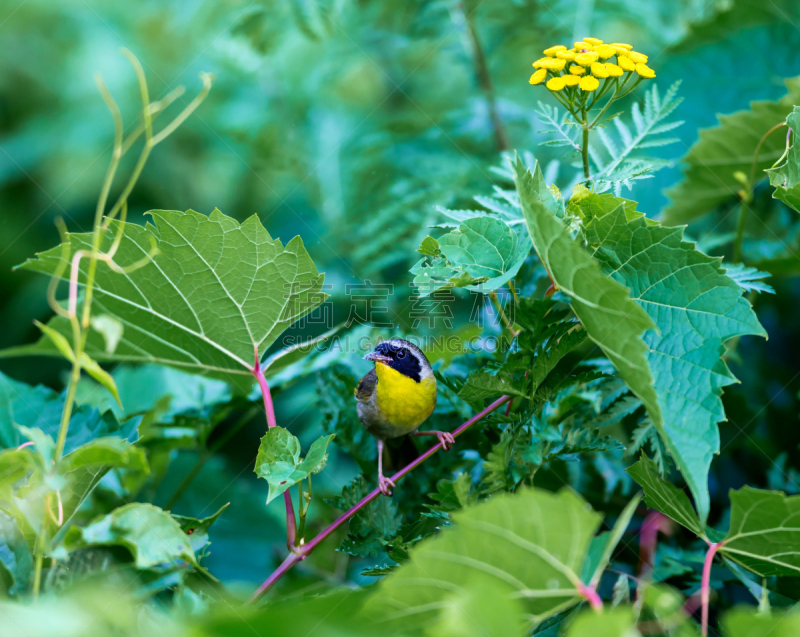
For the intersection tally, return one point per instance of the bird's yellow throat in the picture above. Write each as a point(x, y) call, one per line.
point(403, 401)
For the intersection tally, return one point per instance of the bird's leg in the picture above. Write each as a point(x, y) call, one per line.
point(384, 483)
point(445, 437)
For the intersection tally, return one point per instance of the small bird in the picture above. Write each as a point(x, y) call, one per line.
point(396, 397)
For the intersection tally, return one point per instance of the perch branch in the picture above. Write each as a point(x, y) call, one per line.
point(303, 551)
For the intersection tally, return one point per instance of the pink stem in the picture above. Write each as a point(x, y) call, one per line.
point(591, 596)
point(291, 523)
point(24, 444)
point(305, 550)
point(705, 585)
point(654, 522)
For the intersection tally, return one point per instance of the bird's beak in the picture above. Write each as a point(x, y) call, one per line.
point(378, 358)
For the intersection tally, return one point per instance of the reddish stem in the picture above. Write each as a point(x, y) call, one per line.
point(305, 550)
point(591, 596)
point(291, 523)
point(648, 538)
point(705, 585)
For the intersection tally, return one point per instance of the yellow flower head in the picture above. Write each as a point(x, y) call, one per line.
point(622, 45)
point(645, 71)
point(605, 51)
point(555, 83)
point(540, 63)
point(579, 46)
point(599, 70)
point(577, 70)
point(625, 63)
point(594, 41)
point(538, 76)
point(589, 83)
point(571, 80)
point(555, 49)
point(566, 55)
point(613, 69)
point(586, 59)
point(637, 58)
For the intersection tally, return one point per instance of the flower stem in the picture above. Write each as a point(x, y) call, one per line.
point(585, 150)
point(305, 550)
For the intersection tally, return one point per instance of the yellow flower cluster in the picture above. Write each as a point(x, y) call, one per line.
point(587, 63)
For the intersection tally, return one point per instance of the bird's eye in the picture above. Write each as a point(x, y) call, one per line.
point(401, 353)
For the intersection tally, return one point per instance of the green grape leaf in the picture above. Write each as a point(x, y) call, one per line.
point(787, 174)
point(764, 534)
point(503, 542)
point(108, 451)
point(695, 307)
point(750, 622)
point(197, 528)
point(483, 254)
point(279, 463)
point(611, 318)
point(724, 150)
point(216, 292)
point(478, 608)
point(151, 535)
point(613, 622)
point(786, 177)
point(664, 496)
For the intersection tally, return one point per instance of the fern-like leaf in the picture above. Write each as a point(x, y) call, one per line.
point(548, 115)
point(646, 131)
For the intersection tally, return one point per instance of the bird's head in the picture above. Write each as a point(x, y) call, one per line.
point(403, 357)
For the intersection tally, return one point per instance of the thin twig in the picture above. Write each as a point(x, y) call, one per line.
point(305, 550)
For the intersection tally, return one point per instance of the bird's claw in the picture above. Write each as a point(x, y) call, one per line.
point(447, 439)
point(384, 483)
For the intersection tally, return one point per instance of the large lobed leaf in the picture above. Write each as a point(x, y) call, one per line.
point(786, 177)
point(695, 307)
point(604, 306)
point(482, 254)
point(217, 291)
point(505, 543)
point(764, 534)
point(724, 150)
point(152, 536)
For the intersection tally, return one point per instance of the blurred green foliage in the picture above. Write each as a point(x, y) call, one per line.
point(350, 122)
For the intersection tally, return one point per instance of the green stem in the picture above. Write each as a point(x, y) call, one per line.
point(513, 290)
point(585, 150)
point(66, 412)
point(748, 198)
point(503, 318)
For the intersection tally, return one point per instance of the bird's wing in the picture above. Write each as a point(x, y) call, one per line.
point(366, 386)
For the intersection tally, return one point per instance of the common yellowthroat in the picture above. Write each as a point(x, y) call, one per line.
point(396, 397)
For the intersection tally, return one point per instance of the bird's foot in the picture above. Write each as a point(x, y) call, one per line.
point(447, 439)
point(385, 485)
